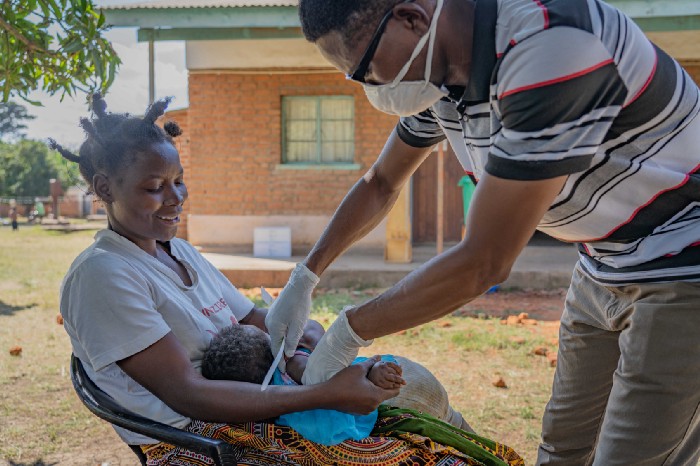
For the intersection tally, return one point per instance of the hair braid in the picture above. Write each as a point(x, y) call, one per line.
point(114, 138)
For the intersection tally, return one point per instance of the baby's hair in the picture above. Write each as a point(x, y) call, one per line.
point(112, 137)
point(237, 354)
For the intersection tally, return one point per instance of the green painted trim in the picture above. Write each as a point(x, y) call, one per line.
point(673, 23)
point(657, 9)
point(225, 17)
point(146, 35)
point(318, 166)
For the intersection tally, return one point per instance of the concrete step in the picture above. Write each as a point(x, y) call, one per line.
point(537, 267)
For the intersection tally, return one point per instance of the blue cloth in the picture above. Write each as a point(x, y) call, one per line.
point(328, 426)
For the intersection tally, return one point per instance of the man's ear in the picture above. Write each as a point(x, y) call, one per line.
point(414, 15)
point(100, 184)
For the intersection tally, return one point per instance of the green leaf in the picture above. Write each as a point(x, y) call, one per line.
point(111, 73)
point(99, 68)
point(56, 61)
point(55, 9)
point(73, 45)
point(45, 10)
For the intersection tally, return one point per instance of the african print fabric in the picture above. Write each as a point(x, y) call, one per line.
point(418, 427)
point(267, 444)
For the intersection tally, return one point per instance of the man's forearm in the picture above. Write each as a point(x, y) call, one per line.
point(368, 201)
point(433, 290)
point(363, 208)
point(502, 219)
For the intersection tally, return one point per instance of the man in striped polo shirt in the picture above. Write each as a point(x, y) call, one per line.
point(574, 123)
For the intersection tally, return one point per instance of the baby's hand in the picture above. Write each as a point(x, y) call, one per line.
point(386, 375)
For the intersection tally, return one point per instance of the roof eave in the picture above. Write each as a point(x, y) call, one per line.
point(651, 15)
point(221, 17)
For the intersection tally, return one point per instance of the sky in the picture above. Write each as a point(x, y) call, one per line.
point(129, 92)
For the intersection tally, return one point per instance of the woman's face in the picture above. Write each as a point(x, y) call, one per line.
point(146, 198)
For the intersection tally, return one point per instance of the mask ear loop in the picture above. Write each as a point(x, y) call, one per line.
point(431, 42)
point(430, 35)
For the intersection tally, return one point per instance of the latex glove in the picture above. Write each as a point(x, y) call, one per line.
point(288, 314)
point(334, 352)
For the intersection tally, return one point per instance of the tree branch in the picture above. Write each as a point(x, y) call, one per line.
point(18, 35)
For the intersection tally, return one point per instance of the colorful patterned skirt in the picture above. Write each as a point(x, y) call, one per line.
point(400, 438)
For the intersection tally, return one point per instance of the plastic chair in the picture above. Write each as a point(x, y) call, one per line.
point(104, 407)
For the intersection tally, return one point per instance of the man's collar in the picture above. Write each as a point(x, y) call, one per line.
point(483, 54)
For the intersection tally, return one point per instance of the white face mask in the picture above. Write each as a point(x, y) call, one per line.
point(411, 97)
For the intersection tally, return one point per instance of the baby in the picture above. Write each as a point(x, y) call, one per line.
point(242, 353)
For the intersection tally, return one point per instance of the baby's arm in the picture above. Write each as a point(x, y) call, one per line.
point(385, 374)
point(312, 334)
point(297, 363)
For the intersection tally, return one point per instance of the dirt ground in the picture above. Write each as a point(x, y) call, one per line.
point(544, 305)
point(102, 446)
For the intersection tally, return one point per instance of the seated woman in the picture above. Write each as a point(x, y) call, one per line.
point(141, 306)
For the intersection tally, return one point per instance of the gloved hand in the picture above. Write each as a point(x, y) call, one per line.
point(288, 314)
point(337, 350)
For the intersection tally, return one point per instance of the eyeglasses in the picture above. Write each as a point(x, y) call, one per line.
point(361, 70)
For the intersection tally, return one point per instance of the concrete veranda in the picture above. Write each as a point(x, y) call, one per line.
point(543, 264)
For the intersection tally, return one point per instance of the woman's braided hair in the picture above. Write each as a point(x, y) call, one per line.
point(112, 137)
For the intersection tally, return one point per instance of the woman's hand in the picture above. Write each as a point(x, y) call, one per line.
point(354, 392)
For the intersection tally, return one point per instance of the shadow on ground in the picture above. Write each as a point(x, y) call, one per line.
point(9, 309)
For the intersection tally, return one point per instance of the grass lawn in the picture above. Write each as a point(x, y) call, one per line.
point(42, 421)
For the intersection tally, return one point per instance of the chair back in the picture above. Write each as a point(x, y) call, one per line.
point(103, 406)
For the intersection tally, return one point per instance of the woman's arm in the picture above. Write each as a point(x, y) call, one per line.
point(256, 317)
point(166, 371)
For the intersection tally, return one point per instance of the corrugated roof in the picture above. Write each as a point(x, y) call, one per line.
point(131, 5)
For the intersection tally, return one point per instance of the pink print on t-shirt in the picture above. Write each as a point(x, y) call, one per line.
point(215, 308)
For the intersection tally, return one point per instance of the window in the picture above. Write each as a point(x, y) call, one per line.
point(317, 130)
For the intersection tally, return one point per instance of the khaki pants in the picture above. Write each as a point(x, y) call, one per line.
point(627, 384)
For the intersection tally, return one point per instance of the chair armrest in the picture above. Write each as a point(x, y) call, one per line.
point(104, 407)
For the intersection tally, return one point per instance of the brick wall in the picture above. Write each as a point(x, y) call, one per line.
point(235, 145)
point(182, 143)
point(231, 146)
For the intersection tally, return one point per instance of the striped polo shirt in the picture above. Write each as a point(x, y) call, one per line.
point(574, 87)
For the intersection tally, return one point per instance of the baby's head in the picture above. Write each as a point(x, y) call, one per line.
point(239, 352)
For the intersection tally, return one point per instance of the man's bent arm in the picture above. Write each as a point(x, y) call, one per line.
point(368, 202)
point(502, 218)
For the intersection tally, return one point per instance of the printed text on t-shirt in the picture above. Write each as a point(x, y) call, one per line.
point(215, 308)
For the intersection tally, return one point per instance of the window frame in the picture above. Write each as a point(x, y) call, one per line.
point(285, 100)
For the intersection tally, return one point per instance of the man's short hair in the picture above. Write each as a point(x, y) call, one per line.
point(239, 352)
point(351, 18)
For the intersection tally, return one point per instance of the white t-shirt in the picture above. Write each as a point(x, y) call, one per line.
point(117, 300)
